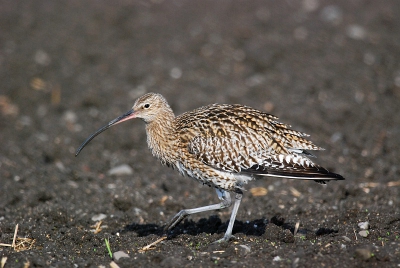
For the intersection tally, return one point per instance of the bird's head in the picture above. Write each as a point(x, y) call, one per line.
point(149, 107)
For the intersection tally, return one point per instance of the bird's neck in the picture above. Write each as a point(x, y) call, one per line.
point(161, 137)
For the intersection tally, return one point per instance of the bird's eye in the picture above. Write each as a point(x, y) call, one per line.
point(146, 105)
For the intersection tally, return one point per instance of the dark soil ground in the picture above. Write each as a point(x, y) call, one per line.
point(329, 68)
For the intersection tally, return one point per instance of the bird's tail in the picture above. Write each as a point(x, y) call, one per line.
point(292, 167)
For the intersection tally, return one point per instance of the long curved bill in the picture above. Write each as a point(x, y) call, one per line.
point(126, 116)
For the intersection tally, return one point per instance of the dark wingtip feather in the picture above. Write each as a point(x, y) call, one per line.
point(314, 172)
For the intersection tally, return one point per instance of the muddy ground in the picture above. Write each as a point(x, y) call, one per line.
point(329, 68)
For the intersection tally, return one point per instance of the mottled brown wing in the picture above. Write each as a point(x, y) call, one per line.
point(223, 120)
point(223, 153)
point(234, 156)
point(236, 138)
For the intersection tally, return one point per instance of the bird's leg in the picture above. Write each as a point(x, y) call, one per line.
point(228, 234)
point(226, 201)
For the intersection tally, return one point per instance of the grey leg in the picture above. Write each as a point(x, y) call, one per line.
point(228, 234)
point(226, 201)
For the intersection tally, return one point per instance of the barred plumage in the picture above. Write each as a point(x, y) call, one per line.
point(224, 146)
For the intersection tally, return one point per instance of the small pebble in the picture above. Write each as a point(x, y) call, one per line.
point(120, 254)
point(245, 249)
point(332, 14)
point(356, 32)
point(363, 253)
point(364, 225)
point(42, 58)
point(277, 258)
point(175, 73)
point(363, 233)
point(310, 5)
point(111, 186)
point(70, 117)
point(99, 217)
point(60, 166)
point(345, 238)
point(42, 137)
point(255, 80)
point(337, 136)
point(121, 170)
point(25, 121)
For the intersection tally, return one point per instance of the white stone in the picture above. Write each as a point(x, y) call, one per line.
point(277, 258)
point(99, 217)
point(363, 233)
point(121, 170)
point(364, 225)
point(356, 32)
point(120, 254)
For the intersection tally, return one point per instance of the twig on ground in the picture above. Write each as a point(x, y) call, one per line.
point(149, 246)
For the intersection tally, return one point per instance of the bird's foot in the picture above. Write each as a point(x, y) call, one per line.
point(180, 216)
point(224, 239)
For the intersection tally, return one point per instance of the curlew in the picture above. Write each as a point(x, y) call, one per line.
point(223, 146)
